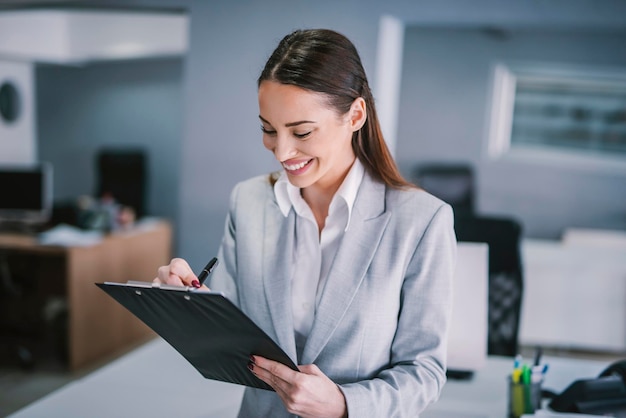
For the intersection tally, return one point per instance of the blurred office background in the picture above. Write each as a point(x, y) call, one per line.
point(431, 65)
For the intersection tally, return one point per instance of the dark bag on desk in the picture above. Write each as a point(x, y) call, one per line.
point(603, 395)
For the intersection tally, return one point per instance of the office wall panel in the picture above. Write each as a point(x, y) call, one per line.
point(136, 103)
point(444, 117)
point(18, 142)
point(229, 42)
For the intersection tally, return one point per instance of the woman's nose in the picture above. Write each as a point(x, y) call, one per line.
point(284, 149)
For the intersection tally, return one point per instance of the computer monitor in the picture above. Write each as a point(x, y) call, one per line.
point(25, 195)
point(467, 338)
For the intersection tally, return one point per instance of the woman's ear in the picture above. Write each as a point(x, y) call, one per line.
point(358, 114)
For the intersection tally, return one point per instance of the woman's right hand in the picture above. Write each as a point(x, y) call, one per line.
point(177, 273)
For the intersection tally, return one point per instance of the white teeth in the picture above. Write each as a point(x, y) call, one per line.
point(295, 166)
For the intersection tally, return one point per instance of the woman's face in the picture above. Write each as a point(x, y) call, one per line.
point(307, 136)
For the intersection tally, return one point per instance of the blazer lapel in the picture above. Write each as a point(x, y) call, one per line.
point(278, 236)
point(353, 258)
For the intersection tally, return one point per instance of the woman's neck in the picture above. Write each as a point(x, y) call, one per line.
point(319, 196)
point(319, 202)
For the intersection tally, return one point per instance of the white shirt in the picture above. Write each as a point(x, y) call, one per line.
point(314, 252)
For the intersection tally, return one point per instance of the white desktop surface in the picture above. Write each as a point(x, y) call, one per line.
point(485, 395)
point(154, 380)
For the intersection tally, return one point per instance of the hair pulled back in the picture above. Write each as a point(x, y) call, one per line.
point(324, 61)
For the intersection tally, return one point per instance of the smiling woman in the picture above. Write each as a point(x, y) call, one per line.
point(309, 139)
point(342, 262)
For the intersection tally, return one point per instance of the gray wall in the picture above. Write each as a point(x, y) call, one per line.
point(221, 143)
point(114, 104)
point(444, 106)
point(230, 42)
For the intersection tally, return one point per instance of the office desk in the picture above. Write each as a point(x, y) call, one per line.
point(97, 326)
point(485, 395)
point(154, 380)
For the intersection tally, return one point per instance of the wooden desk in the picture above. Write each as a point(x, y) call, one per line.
point(98, 327)
point(155, 380)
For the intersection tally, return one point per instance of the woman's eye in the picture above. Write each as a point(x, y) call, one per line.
point(267, 131)
point(302, 136)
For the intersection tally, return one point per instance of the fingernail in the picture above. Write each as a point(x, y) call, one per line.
point(250, 365)
point(252, 359)
point(195, 284)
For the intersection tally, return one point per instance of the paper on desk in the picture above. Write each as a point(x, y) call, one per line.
point(550, 414)
point(69, 236)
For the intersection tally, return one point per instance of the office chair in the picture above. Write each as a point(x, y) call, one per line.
point(451, 182)
point(122, 173)
point(33, 316)
point(503, 235)
point(18, 317)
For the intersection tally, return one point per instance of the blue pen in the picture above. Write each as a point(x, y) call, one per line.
point(517, 361)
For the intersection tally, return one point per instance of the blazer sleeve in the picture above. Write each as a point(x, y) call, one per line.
point(416, 372)
point(223, 277)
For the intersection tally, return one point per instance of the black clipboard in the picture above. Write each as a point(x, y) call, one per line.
point(206, 328)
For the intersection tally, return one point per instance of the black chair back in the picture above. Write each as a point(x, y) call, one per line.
point(506, 284)
point(453, 183)
point(122, 173)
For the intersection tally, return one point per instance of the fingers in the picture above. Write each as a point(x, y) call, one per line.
point(281, 378)
point(311, 369)
point(307, 393)
point(275, 374)
point(176, 273)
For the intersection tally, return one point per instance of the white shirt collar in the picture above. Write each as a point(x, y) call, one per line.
point(288, 195)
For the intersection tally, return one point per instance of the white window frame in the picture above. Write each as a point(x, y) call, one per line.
point(504, 79)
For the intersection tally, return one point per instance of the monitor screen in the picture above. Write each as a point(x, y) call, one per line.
point(25, 193)
point(467, 338)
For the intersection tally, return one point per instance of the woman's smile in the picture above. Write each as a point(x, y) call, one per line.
point(297, 167)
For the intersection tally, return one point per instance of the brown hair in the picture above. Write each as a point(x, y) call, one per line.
point(326, 62)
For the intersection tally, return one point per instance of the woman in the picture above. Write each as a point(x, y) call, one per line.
point(339, 259)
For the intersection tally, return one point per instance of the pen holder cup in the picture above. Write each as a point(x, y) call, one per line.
point(524, 398)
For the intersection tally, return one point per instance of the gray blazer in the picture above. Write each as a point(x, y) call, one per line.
point(381, 324)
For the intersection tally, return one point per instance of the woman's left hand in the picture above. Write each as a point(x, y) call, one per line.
point(308, 393)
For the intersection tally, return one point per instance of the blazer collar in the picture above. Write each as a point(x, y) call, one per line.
point(278, 241)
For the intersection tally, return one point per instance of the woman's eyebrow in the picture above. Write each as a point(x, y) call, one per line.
point(290, 124)
point(300, 122)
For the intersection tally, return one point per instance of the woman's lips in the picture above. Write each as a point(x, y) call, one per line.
point(297, 167)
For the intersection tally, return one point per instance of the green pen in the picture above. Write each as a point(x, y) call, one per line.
point(527, 391)
point(525, 374)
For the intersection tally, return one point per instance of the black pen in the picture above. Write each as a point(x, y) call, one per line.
point(205, 273)
point(538, 352)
